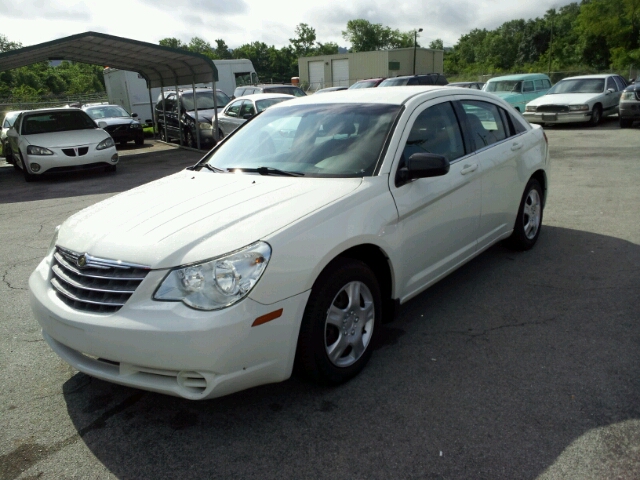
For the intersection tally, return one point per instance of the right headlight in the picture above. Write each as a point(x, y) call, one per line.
point(628, 96)
point(216, 283)
point(106, 143)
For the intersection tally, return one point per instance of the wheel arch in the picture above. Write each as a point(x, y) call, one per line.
point(376, 259)
point(541, 176)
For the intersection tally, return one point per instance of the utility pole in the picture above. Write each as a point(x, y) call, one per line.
point(415, 43)
point(550, 46)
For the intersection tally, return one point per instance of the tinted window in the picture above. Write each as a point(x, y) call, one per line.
point(234, 109)
point(578, 85)
point(620, 82)
point(436, 130)
point(527, 86)
point(484, 123)
point(504, 86)
point(247, 109)
point(108, 111)
point(204, 99)
point(540, 85)
point(393, 82)
point(611, 84)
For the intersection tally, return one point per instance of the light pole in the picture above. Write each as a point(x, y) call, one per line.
point(415, 43)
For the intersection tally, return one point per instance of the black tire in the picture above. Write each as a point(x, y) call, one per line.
point(163, 137)
point(139, 140)
point(28, 177)
point(123, 143)
point(596, 116)
point(625, 123)
point(529, 220)
point(359, 324)
point(111, 169)
point(190, 139)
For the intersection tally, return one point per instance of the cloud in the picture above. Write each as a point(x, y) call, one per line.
point(201, 7)
point(30, 9)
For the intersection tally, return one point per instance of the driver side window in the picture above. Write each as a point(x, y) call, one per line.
point(435, 130)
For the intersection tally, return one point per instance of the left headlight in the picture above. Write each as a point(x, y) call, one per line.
point(217, 283)
point(205, 126)
point(106, 143)
point(135, 125)
point(530, 108)
point(628, 96)
point(578, 108)
point(33, 150)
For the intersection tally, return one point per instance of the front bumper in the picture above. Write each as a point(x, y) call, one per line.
point(630, 110)
point(61, 162)
point(571, 117)
point(167, 347)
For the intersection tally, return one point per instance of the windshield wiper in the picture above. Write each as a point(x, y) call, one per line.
point(268, 171)
point(208, 167)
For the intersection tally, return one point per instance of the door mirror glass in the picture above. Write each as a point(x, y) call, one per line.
point(102, 124)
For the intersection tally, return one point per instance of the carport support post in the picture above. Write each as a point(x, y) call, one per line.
point(215, 113)
point(164, 115)
point(195, 111)
point(179, 112)
point(153, 117)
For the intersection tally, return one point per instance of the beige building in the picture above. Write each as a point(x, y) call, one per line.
point(347, 68)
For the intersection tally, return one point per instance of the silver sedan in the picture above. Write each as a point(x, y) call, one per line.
point(243, 108)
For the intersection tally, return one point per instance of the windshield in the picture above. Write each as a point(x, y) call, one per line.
point(264, 104)
point(393, 82)
point(328, 140)
point(205, 100)
point(106, 112)
point(61, 121)
point(504, 86)
point(582, 85)
point(367, 84)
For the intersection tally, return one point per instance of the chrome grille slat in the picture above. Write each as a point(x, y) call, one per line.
point(94, 284)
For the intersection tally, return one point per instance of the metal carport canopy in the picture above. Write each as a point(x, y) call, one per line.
point(160, 66)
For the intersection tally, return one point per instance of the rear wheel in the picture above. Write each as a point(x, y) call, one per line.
point(529, 220)
point(339, 322)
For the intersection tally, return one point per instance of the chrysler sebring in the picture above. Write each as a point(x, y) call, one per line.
point(291, 241)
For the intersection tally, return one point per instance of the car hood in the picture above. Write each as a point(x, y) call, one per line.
point(205, 114)
point(565, 99)
point(72, 138)
point(193, 216)
point(116, 120)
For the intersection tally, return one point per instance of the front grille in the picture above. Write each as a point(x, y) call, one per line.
point(116, 128)
point(553, 108)
point(93, 284)
point(71, 152)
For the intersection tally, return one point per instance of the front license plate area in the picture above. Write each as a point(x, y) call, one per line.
point(548, 117)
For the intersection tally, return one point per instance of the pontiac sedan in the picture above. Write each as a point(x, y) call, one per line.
point(291, 241)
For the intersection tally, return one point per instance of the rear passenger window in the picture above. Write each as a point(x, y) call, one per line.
point(619, 82)
point(436, 130)
point(540, 85)
point(484, 124)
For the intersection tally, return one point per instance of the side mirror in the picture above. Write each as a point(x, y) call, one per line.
point(609, 90)
point(134, 115)
point(102, 124)
point(422, 165)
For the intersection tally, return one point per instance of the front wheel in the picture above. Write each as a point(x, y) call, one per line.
point(596, 116)
point(529, 220)
point(339, 322)
point(28, 177)
point(191, 139)
point(625, 123)
point(163, 135)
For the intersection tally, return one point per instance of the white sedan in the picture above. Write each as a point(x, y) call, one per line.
point(59, 140)
point(291, 241)
point(242, 109)
point(586, 98)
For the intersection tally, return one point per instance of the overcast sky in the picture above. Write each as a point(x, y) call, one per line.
point(241, 21)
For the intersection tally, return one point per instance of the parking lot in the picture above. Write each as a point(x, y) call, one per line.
point(518, 365)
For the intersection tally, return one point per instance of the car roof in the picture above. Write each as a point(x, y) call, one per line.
point(86, 107)
point(56, 109)
point(263, 96)
point(599, 75)
point(520, 76)
point(389, 95)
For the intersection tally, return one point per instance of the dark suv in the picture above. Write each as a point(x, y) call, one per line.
point(251, 89)
point(428, 79)
point(185, 119)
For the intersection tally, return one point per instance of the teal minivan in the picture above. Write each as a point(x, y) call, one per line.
point(520, 89)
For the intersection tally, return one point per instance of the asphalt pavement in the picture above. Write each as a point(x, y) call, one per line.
point(516, 366)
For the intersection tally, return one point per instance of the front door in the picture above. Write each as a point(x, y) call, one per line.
point(438, 216)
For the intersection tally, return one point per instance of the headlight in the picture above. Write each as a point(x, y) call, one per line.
point(628, 96)
point(106, 143)
point(578, 108)
point(33, 150)
point(135, 125)
point(217, 283)
point(52, 245)
point(530, 108)
point(205, 126)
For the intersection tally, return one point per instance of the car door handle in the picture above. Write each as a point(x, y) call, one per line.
point(469, 168)
point(516, 146)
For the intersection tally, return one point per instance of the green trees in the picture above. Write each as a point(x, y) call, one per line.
point(365, 36)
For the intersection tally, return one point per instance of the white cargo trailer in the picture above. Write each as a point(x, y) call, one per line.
point(129, 89)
